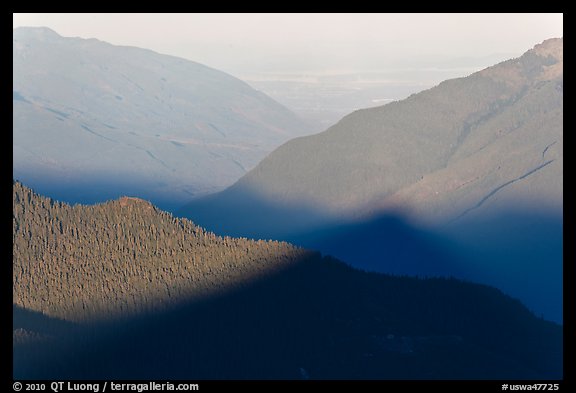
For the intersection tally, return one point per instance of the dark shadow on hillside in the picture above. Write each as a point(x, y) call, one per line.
point(318, 319)
point(238, 211)
point(34, 331)
point(517, 250)
point(386, 244)
point(39, 323)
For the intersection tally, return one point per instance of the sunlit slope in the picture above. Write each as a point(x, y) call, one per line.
point(123, 290)
point(124, 257)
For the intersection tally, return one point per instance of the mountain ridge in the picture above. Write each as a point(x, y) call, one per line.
point(439, 151)
point(90, 115)
point(78, 234)
point(93, 298)
point(460, 160)
point(375, 158)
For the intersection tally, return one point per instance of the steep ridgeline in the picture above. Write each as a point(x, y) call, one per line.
point(478, 159)
point(439, 153)
point(83, 263)
point(93, 121)
point(123, 290)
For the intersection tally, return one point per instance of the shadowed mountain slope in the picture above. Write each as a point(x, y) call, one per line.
point(477, 161)
point(123, 290)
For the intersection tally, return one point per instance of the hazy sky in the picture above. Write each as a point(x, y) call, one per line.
point(240, 43)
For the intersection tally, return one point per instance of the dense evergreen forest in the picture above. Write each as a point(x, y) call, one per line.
point(123, 257)
point(123, 290)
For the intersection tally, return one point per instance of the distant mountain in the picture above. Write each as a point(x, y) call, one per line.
point(440, 151)
point(94, 121)
point(123, 290)
point(479, 159)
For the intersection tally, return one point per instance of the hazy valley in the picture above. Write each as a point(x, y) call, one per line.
point(323, 97)
point(346, 215)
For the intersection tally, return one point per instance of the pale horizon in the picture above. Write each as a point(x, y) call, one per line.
point(324, 43)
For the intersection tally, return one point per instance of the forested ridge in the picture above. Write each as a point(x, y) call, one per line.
point(122, 290)
point(122, 257)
